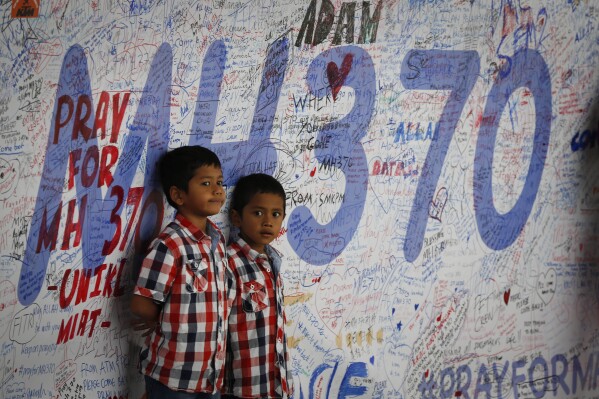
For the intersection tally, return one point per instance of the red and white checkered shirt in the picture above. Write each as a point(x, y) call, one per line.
point(184, 271)
point(257, 345)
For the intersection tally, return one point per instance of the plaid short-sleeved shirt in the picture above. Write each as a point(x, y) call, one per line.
point(184, 271)
point(257, 345)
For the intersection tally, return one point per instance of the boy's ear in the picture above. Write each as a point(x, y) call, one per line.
point(176, 195)
point(235, 218)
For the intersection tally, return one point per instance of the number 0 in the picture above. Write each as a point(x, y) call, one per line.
point(528, 70)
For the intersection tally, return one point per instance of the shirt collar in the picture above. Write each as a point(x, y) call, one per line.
point(213, 232)
point(274, 256)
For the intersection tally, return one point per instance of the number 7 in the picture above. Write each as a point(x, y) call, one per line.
point(436, 70)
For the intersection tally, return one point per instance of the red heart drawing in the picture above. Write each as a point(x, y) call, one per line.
point(336, 77)
point(506, 296)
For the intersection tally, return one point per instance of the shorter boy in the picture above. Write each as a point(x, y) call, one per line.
point(257, 359)
point(180, 294)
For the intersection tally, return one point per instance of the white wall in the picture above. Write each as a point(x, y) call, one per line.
point(441, 164)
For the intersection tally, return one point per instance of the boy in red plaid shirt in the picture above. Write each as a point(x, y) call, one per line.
point(180, 298)
point(257, 358)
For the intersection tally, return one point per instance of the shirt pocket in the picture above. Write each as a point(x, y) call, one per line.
point(253, 296)
point(196, 276)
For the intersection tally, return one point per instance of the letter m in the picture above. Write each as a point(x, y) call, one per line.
point(369, 25)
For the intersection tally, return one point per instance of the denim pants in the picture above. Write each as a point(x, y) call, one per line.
point(157, 390)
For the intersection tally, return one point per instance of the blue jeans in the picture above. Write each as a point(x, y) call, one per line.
point(157, 390)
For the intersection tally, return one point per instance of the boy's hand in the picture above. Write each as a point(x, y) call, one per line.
point(146, 326)
point(145, 315)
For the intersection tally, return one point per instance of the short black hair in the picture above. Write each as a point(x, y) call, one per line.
point(250, 185)
point(177, 167)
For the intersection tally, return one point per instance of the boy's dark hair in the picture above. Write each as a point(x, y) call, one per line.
point(256, 183)
point(177, 167)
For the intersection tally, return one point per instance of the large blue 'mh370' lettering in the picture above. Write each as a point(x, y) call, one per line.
point(101, 227)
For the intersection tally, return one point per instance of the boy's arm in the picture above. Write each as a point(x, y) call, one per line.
point(230, 278)
point(146, 304)
point(145, 312)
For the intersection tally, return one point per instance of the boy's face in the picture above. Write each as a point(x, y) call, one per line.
point(261, 220)
point(204, 197)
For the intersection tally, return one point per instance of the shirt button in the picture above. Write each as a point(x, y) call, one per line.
point(268, 269)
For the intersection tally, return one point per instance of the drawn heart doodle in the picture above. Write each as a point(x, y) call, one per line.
point(336, 77)
point(437, 205)
point(546, 285)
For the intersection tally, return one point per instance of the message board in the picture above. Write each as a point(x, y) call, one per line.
point(440, 160)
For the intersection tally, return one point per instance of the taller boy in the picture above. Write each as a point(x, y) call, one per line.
point(180, 293)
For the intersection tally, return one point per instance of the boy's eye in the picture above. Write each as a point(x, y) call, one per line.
point(276, 214)
point(258, 213)
point(205, 183)
point(220, 183)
